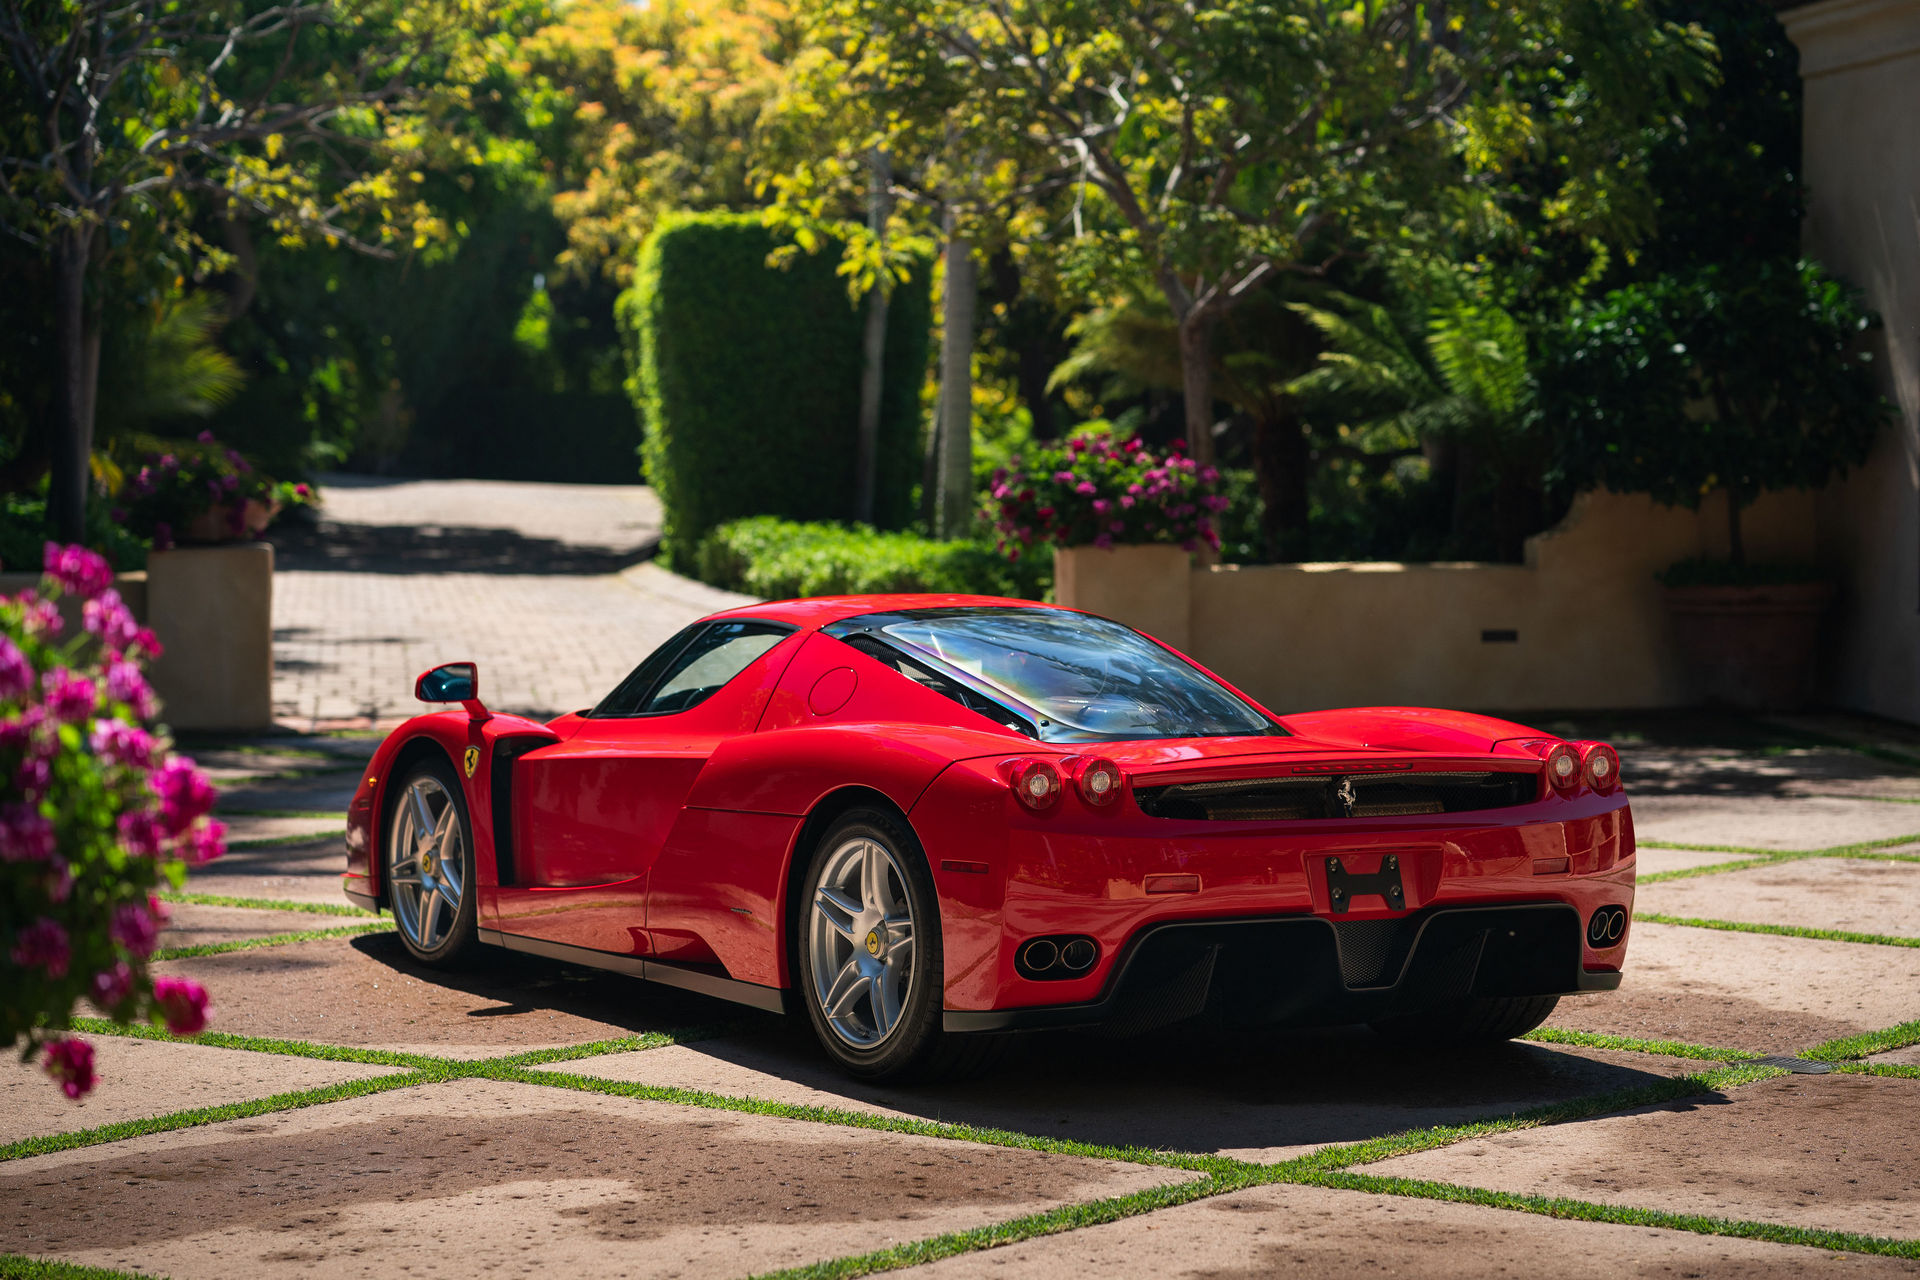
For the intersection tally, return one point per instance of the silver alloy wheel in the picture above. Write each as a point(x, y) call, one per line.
point(860, 942)
point(426, 863)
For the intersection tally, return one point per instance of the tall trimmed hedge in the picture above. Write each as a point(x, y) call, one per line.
point(748, 380)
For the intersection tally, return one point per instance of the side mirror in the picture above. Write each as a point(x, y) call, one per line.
point(449, 682)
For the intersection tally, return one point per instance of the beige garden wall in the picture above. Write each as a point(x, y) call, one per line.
point(1580, 624)
point(1860, 64)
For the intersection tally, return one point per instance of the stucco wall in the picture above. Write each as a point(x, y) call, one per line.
point(1860, 63)
point(1587, 624)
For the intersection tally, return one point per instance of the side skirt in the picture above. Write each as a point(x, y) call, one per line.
point(665, 972)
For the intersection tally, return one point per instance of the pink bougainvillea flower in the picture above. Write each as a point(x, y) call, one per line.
point(204, 843)
point(122, 743)
point(135, 928)
point(162, 535)
point(17, 732)
point(183, 1003)
point(59, 882)
point(69, 696)
point(125, 684)
point(42, 616)
point(205, 437)
point(1085, 487)
point(70, 1063)
point(146, 642)
point(26, 835)
point(33, 777)
point(112, 985)
point(43, 945)
point(16, 673)
point(79, 571)
point(142, 834)
point(1103, 540)
point(108, 617)
point(185, 794)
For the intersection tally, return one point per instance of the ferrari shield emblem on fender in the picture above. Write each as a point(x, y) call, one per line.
point(473, 760)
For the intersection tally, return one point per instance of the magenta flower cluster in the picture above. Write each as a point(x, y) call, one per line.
point(97, 815)
point(1097, 490)
point(166, 497)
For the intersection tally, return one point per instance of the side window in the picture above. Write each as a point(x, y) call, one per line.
point(690, 668)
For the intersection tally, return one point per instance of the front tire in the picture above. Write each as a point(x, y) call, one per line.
point(429, 866)
point(869, 964)
point(1475, 1020)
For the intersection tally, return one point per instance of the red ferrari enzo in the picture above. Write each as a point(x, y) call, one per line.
point(924, 819)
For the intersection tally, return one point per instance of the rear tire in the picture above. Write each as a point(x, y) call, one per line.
point(1475, 1020)
point(867, 959)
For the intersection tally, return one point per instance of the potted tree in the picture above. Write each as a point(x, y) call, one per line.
point(1741, 380)
point(1122, 521)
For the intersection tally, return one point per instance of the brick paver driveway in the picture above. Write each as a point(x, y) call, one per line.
point(546, 586)
point(357, 1114)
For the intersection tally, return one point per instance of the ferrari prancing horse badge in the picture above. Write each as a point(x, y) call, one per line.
point(473, 760)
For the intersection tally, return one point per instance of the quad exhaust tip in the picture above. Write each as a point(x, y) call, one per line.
point(1606, 927)
point(1055, 958)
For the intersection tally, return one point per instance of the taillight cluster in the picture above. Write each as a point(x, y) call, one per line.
point(1572, 765)
point(1040, 783)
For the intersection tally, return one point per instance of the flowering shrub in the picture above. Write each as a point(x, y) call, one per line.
point(1096, 490)
point(96, 814)
point(201, 493)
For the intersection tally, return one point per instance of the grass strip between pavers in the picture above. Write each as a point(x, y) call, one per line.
point(1870, 849)
point(621, 1044)
point(271, 940)
point(1894, 1070)
point(1780, 930)
point(269, 904)
point(124, 1129)
point(1866, 1044)
point(14, 1266)
point(281, 842)
point(1631, 1044)
point(337, 815)
point(263, 1044)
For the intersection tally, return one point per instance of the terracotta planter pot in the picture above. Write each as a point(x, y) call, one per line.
point(215, 525)
point(1750, 647)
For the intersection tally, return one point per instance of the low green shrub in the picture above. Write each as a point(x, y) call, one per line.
point(25, 531)
point(777, 559)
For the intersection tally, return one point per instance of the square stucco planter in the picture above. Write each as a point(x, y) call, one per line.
point(212, 608)
point(1145, 587)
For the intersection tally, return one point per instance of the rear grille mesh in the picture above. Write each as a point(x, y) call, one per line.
point(1352, 795)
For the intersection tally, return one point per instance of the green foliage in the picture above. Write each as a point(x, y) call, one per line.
point(25, 531)
point(1097, 490)
point(167, 486)
point(165, 366)
point(748, 379)
point(776, 558)
point(1748, 379)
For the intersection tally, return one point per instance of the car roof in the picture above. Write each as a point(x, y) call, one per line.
point(819, 611)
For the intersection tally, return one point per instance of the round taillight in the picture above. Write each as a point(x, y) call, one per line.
point(1563, 767)
point(1037, 783)
point(1600, 766)
point(1099, 782)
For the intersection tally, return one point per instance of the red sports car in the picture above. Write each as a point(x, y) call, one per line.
point(925, 819)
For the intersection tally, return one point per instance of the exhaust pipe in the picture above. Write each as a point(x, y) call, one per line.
point(1606, 927)
point(1079, 955)
point(1040, 955)
point(1057, 958)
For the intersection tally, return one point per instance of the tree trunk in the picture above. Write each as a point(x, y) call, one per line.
point(77, 332)
point(1196, 386)
point(1282, 462)
point(874, 351)
point(956, 393)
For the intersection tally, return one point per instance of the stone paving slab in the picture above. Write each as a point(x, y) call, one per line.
point(1907, 1057)
point(1855, 895)
point(328, 791)
point(1311, 1231)
point(257, 826)
point(1835, 1151)
point(473, 1176)
point(1651, 861)
point(193, 925)
point(306, 872)
point(1651, 769)
point(1769, 822)
point(366, 991)
point(614, 517)
point(1260, 1098)
point(141, 1078)
point(1749, 991)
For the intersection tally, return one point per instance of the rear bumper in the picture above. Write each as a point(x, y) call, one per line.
point(1306, 969)
point(360, 892)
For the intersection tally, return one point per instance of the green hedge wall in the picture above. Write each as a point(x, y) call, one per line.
point(748, 380)
point(777, 559)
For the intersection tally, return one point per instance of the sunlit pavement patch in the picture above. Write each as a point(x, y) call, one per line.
point(305, 872)
point(195, 925)
point(141, 1078)
point(471, 1176)
point(1654, 861)
point(1308, 1231)
point(244, 827)
point(1851, 894)
point(1749, 991)
point(1259, 1098)
point(1839, 1152)
point(1769, 822)
point(365, 991)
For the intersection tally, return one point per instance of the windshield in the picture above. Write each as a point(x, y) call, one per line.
point(1088, 679)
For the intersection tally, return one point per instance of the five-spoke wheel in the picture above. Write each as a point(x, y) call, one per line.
point(860, 941)
point(429, 864)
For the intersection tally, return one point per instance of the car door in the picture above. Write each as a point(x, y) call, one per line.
point(591, 812)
